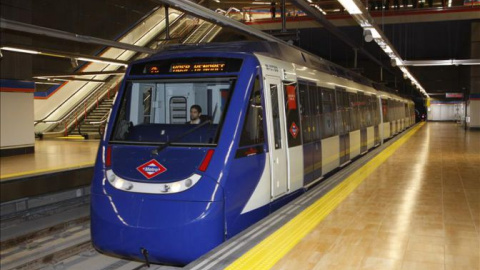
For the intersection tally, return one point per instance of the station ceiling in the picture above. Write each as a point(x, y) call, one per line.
point(108, 19)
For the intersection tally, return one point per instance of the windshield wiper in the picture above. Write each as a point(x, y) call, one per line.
point(168, 143)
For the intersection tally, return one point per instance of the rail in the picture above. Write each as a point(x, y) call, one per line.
point(81, 109)
point(100, 124)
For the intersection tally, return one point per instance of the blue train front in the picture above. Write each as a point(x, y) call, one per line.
point(160, 183)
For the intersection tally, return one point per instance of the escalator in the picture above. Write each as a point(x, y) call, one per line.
point(83, 104)
point(73, 95)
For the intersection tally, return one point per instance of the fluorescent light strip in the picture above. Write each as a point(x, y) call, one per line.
point(350, 6)
point(100, 61)
point(372, 30)
point(12, 49)
point(19, 50)
point(450, 62)
point(47, 83)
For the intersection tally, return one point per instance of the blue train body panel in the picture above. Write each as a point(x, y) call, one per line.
point(174, 232)
point(179, 162)
point(243, 176)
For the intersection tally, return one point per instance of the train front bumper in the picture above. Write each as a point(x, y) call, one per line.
point(173, 232)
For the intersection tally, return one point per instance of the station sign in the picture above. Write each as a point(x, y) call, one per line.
point(454, 95)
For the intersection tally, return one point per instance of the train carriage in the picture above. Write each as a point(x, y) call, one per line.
point(275, 120)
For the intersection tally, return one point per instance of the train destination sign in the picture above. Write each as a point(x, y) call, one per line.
point(187, 66)
point(197, 67)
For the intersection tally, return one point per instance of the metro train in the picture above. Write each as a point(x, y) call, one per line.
point(275, 121)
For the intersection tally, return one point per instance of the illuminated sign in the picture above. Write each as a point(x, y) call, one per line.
point(187, 66)
point(154, 70)
point(292, 98)
point(197, 67)
point(454, 95)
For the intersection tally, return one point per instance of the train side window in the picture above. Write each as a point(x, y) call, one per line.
point(376, 110)
point(361, 110)
point(343, 111)
point(318, 112)
point(385, 110)
point(312, 112)
point(292, 114)
point(277, 135)
point(304, 107)
point(368, 111)
point(354, 111)
point(328, 111)
point(252, 132)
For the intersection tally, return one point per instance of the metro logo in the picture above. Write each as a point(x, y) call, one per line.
point(294, 130)
point(151, 169)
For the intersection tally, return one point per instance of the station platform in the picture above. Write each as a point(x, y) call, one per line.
point(50, 156)
point(56, 165)
point(414, 205)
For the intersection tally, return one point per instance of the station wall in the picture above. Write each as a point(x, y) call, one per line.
point(16, 125)
point(446, 111)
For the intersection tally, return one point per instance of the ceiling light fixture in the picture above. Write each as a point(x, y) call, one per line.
point(373, 32)
point(101, 61)
point(350, 6)
point(71, 57)
point(451, 62)
point(11, 49)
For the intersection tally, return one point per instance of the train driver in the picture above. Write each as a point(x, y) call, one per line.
point(195, 113)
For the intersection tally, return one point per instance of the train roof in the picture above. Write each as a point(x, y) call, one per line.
point(283, 52)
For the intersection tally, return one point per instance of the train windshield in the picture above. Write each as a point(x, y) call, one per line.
point(177, 112)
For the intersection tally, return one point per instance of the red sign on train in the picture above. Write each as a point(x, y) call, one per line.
point(294, 130)
point(292, 98)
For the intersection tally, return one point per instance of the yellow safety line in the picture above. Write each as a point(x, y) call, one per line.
point(3, 177)
point(268, 252)
point(75, 137)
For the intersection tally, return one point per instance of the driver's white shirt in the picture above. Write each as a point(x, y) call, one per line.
point(196, 121)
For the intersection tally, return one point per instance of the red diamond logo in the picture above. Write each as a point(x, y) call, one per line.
point(294, 130)
point(151, 169)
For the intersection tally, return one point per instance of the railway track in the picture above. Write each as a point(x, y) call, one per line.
point(63, 245)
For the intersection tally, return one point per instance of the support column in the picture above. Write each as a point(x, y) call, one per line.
point(473, 102)
point(16, 117)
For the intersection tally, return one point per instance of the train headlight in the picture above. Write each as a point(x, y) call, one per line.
point(176, 187)
point(119, 183)
point(110, 176)
point(127, 186)
point(188, 183)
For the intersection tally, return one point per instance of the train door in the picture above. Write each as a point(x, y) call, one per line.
point(376, 119)
point(142, 96)
point(277, 136)
point(178, 99)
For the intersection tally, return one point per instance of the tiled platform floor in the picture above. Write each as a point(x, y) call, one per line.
point(50, 155)
point(418, 210)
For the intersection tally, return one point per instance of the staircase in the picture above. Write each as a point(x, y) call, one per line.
point(89, 128)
